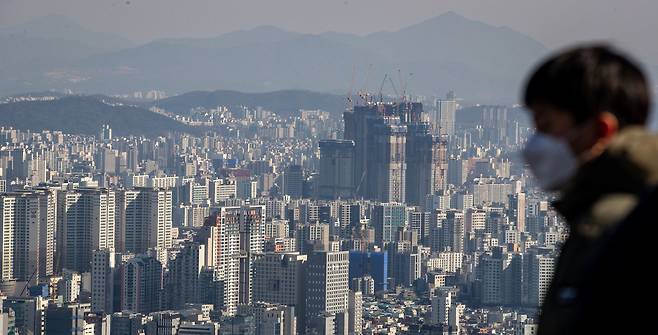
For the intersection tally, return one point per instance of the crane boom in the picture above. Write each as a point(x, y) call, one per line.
point(350, 103)
point(381, 87)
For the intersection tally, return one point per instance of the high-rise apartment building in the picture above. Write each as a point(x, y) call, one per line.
point(314, 236)
point(145, 219)
point(86, 221)
point(104, 274)
point(183, 284)
point(517, 210)
point(443, 118)
point(222, 189)
point(141, 284)
point(355, 312)
point(27, 237)
point(495, 272)
point(540, 267)
point(234, 235)
point(452, 231)
point(446, 311)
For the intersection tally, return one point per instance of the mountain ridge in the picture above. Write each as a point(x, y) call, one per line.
point(448, 52)
point(85, 115)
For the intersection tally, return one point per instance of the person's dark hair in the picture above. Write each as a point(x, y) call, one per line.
point(589, 80)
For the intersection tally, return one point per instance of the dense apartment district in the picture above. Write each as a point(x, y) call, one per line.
point(407, 217)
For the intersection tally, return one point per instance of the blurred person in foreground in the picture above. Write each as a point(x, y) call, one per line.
point(590, 106)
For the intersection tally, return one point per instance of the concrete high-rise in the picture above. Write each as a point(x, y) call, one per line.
point(419, 222)
point(222, 189)
point(446, 312)
point(540, 272)
point(27, 237)
point(86, 221)
point(327, 283)
point(379, 132)
point(183, 278)
point(387, 170)
point(293, 181)
point(29, 313)
point(104, 270)
point(457, 171)
point(145, 219)
point(141, 284)
point(66, 318)
point(475, 220)
point(252, 226)
point(496, 122)
point(281, 279)
point(349, 217)
point(336, 169)
point(126, 323)
point(452, 231)
point(441, 304)
point(443, 117)
point(355, 312)
point(517, 210)
point(493, 268)
point(105, 133)
point(164, 322)
point(252, 242)
point(234, 235)
point(427, 168)
point(405, 267)
point(222, 242)
point(314, 236)
point(387, 219)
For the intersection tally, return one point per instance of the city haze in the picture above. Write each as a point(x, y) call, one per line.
point(298, 167)
point(553, 23)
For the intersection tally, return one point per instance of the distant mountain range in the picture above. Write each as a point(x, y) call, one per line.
point(86, 114)
point(480, 62)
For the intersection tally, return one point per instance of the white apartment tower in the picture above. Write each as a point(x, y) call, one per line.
point(103, 274)
point(27, 235)
point(443, 118)
point(541, 271)
point(85, 222)
point(355, 311)
point(145, 219)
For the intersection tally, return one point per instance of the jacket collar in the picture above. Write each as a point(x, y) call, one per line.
point(622, 169)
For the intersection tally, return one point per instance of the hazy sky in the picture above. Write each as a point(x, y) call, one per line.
point(630, 23)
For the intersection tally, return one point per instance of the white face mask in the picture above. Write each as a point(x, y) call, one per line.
point(551, 160)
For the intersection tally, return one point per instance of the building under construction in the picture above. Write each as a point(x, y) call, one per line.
point(395, 156)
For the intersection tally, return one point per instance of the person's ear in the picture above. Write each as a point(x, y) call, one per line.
point(608, 125)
